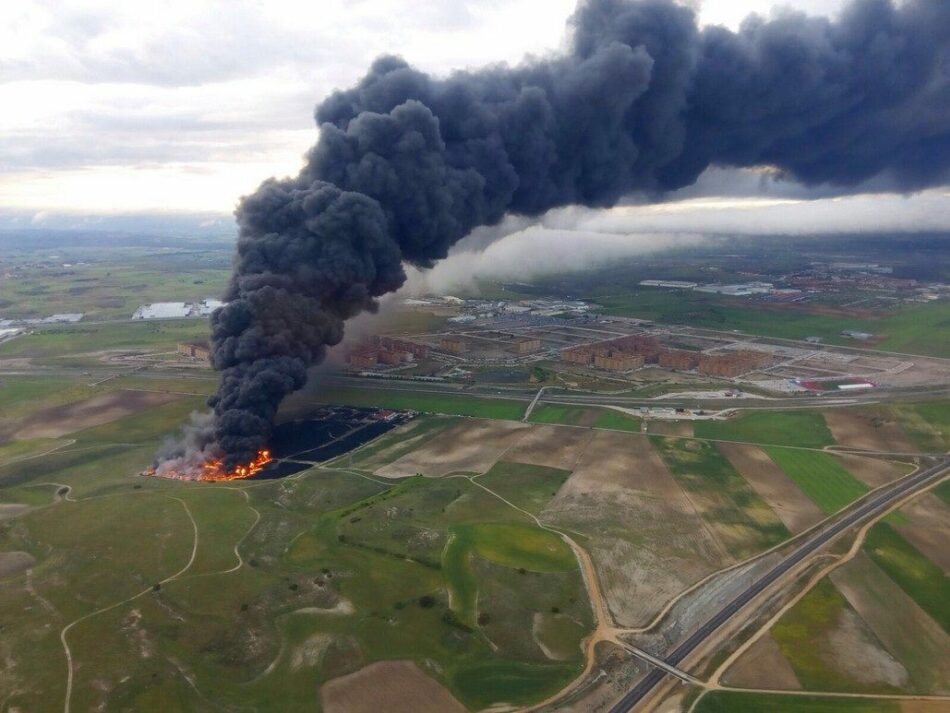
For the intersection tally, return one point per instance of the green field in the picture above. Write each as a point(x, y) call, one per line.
point(733, 702)
point(565, 414)
point(927, 423)
point(562, 414)
point(112, 284)
point(921, 329)
point(450, 404)
point(802, 635)
point(779, 428)
point(292, 570)
point(617, 421)
point(924, 581)
point(743, 521)
point(521, 547)
point(942, 491)
point(915, 329)
point(242, 628)
point(61, 341)
point(529, 487)
point(820, 476)
point(510, 681)
point(17, 450)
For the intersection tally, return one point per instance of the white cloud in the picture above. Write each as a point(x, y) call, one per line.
point(197, 102)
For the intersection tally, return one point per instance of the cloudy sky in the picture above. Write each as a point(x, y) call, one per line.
point(182, 106)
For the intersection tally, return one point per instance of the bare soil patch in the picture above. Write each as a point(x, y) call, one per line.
point(872, 431)
point(61, 420)
point(929, 528)
point(391, 686)
point(551, 446)
point(872, 471)
point(471, 446)
point(905, 630)
point(795, 509)
point(12, 563)
point(763, 666)
point(310, 652)
point(646, 539)
point(623, 461)
point(853, 650)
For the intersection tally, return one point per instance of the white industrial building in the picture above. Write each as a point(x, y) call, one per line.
point(177, 310)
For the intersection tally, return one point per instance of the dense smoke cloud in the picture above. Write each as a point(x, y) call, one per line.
point(642, 102)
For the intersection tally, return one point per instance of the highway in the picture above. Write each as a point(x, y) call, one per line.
point(849, 518)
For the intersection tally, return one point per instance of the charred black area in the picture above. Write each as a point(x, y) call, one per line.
point(324, 435)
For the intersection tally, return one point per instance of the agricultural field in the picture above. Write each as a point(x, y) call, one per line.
point(793, 507)
point(527, 486)
point(874, 428)
point(621, 479)
point(584, 416)
point(805, 429)
point(830, 647)
point(741, 519)
point(923, 581)
point(564, 415)
point(618, 421)
point(927, 423)
point(876, 624)
point(820, 476)
point(731, 701)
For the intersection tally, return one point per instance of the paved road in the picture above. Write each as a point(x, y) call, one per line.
point(874, 505)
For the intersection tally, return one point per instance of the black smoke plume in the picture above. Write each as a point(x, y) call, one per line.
point(642, 102)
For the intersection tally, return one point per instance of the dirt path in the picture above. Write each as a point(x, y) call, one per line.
point(65, 631)
point(604, 629)
point(237, 545)
point(20, 459)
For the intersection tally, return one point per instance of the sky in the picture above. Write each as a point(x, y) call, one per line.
point(180, 107)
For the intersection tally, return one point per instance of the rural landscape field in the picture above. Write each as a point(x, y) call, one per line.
point(540, 544)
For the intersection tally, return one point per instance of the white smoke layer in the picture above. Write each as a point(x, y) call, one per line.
point(537, 251)
point(576, 239)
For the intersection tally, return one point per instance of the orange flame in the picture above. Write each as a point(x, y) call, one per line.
point(214, 469)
